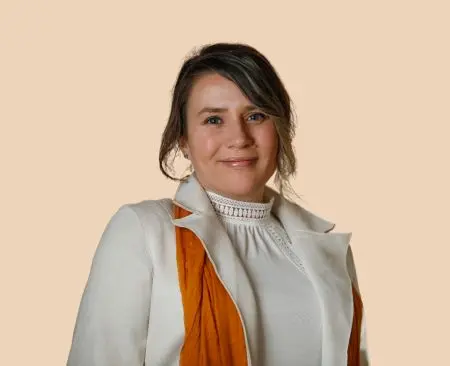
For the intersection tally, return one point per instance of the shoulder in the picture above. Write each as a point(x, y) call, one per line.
point(159, 209)
point(153, 215)
point(149, 212)
point(139, 226)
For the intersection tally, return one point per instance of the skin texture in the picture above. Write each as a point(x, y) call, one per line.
point(238, 131)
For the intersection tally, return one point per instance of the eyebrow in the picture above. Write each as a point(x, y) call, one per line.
point(219, 110)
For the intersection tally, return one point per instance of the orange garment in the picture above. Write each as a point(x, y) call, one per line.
point(354, 345)
point(213, 329)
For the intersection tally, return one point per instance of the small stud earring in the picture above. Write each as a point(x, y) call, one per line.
point(185, 155)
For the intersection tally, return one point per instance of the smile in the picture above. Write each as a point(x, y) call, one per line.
point(244, 162)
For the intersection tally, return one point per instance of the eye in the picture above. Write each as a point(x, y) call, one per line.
point(213, 120)
point(257, 117)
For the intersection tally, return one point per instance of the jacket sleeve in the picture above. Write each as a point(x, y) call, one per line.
point(112, 321)
point(364, 355)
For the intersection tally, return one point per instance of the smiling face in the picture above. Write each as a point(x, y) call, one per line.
point(231, 144)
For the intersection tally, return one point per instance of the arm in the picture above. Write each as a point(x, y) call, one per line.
point(112, 322)
point(363, 352)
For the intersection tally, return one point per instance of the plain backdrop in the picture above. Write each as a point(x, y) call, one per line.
point(85, 92)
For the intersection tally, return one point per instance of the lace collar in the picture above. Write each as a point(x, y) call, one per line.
point(242, 210)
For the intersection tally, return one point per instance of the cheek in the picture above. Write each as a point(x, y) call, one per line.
point(267, 140)
point(203, 146)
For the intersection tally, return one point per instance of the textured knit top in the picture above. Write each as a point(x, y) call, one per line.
point(289, 311)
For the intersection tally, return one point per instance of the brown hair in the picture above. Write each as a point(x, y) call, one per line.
point(259, 82)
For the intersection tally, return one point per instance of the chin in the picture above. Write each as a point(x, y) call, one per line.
point(241, 188)
point(239, 184)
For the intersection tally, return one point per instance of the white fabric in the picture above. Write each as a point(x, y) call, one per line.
point(131, 311)
point(289, 311)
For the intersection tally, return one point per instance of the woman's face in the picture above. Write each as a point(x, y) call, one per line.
point(231, 144)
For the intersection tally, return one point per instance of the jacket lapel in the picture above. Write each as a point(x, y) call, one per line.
point(323, 254)
point(324, 257)
point(204, 222)
point(325, 263)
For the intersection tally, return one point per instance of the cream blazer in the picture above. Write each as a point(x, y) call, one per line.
point(131, 312)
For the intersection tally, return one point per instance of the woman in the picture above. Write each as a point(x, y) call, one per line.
point(230, 272)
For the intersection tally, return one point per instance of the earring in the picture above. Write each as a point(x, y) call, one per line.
point(185, 155)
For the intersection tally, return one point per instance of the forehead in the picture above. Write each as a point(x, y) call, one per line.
point(214, 90)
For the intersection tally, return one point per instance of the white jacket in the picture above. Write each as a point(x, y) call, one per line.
point(131, 312)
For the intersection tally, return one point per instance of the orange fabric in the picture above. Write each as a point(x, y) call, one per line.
point(213, 330)
point(354, 346)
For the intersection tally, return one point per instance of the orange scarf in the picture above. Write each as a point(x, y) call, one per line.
point(213, 329)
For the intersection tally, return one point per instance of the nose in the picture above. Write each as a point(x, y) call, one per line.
point(239, 136)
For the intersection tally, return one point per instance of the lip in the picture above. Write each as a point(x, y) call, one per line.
point(239, 162)
point(239, 158)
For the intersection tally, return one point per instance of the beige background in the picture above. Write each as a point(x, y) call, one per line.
point(84, 96)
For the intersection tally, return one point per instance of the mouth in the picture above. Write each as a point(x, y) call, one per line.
point(239, 162)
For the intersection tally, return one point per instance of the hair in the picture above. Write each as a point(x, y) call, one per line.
point(259, 82)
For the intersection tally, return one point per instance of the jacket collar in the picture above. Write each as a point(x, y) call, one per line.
point(191, 196)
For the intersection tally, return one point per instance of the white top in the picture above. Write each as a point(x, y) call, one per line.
point(285, 296)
